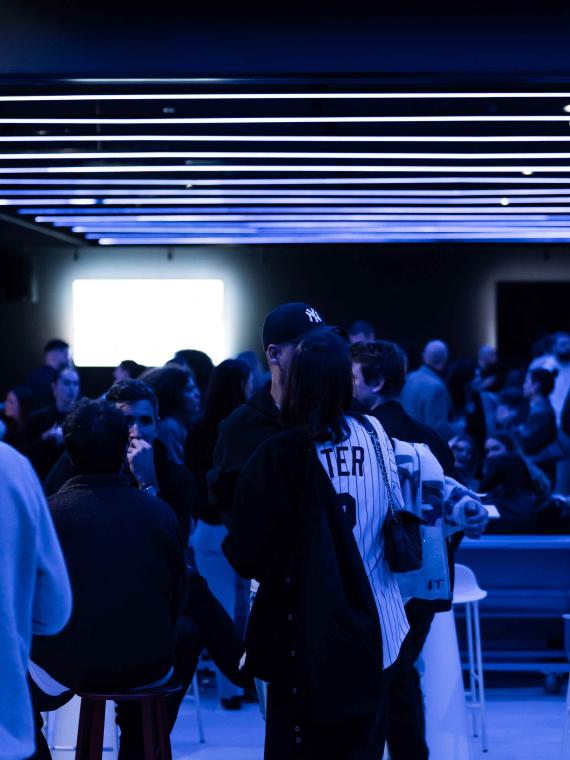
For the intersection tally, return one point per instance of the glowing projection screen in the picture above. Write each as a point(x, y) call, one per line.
point(146, 320)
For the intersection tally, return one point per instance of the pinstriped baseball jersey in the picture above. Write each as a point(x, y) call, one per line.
point(356, 477)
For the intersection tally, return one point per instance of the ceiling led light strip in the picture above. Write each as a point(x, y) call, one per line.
point(384, 238)
point(306, 181)
point(291, 120)
point(210, 201)
point(287, 138)
point(133, 195)
point(275, 168)
point(334, 210)
point(202, 228)
point(69, 156)
point(67, 221)
point(281, 96)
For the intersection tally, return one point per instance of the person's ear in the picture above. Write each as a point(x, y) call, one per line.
point(379, 385)
point(274, 354)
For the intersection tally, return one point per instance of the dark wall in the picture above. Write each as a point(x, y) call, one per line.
point(410, 293)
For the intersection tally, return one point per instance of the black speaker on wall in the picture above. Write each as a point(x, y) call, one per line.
point(17, 278)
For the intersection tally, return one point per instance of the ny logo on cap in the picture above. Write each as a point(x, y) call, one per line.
point(313, 315)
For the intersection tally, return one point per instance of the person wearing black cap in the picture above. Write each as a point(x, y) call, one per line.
point(257, 420)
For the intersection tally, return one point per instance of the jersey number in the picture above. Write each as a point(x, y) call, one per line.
point(346, 502)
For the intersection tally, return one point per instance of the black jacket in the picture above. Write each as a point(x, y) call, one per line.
point(314, 626)
point(125, 559)
point(43, 454)
point(176, 484)
point(240, 434)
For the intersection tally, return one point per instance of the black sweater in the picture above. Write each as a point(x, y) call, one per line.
point(125, 560)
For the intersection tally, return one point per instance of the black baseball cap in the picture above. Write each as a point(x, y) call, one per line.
point(289, 323)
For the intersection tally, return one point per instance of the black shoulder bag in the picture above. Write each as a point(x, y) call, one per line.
point(402, 532)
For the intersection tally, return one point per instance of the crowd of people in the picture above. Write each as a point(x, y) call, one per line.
point(252, 513)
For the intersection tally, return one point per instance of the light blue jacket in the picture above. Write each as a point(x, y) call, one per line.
point(35, 595)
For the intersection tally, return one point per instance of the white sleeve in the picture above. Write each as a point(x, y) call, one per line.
point(52, 597)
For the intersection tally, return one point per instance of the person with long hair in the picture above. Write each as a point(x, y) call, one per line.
point(328, 618)
point(178, 405)
point(17, 407)
point(229, 386)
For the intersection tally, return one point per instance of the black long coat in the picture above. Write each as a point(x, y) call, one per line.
point(314, 626)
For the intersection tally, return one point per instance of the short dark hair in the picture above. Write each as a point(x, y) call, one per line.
point(382, 360)
point(133, 368)
point(96, 436)
point(169, 384)
point(55, 344)
point(128, 391)
point(319, 386)
point(360, 326)
point(544, 378)
point(513, 398)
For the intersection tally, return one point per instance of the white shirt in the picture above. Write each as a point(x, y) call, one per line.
point(353, 469)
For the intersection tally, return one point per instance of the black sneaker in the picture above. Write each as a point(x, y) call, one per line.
point(231, 703)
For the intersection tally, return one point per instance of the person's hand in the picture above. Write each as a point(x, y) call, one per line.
point(140, 458)
point(55, 434)
point(476, 519)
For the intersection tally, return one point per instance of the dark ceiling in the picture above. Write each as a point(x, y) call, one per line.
point(336, 123)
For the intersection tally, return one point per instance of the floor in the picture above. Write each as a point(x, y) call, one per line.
point(523, 724)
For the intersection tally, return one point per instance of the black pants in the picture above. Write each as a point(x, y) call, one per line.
point(406, 716)
point(291, 735)
point(204, 623)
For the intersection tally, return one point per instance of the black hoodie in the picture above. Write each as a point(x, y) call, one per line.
point(247, 427)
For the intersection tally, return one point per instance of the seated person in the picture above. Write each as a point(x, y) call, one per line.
point(44, 430)
point(508, 484)
point(125, 560)
point(149, 467)
point(464, 452)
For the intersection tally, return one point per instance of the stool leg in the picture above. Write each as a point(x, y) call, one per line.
point(90, 731)
point(162, 729)
point(564, 748)
point(198, 706)
point(149, 729)
point(480, 678)
point(471, 657)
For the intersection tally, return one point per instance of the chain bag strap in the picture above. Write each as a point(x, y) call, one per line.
point(402, 532)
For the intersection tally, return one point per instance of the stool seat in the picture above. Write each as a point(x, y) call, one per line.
point(152, 701)
point(153, 692)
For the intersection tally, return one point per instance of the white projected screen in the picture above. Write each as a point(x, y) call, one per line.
point(146, 320)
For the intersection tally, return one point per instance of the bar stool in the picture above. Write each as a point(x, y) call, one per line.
point(154, 721)
point(195, 696)
point(468, 592)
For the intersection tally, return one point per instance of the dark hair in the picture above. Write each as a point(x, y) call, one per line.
point(508, 440)
point(96, 436)
point(198, 362)
point(59, 372)
point(382, 360)
point(544, 378)
point(133, 368)
point(360, 326)
point(319, 386)
point(128, 391)
point(25, 399)
point(55, 344)
point(169, 384)
point(460, 373)
point(226, 390)
point(514, 399)
point(505, 475)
